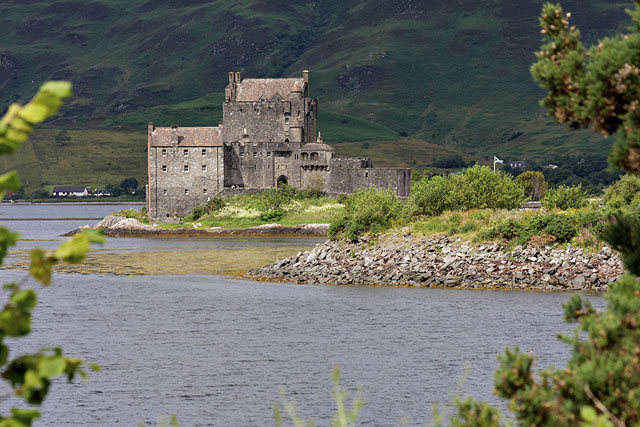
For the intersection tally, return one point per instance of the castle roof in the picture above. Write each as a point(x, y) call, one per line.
point(187, 136)
point(253, 90)
point(317, 146)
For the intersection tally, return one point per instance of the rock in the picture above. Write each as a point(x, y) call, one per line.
point(578, 282)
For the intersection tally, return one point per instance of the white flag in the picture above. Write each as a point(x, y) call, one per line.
point(497, 160)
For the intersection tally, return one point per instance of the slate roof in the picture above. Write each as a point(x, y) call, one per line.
point(191, 136)
point(253, 90)
point(316, 146)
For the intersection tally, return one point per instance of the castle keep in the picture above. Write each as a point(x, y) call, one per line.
point(267, 137)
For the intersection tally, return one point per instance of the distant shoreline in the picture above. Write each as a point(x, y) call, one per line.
point(5, 202)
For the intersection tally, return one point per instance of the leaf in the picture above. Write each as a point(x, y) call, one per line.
point(32, 380)
point(60, 88)
point(24, 416)
point(33, 113)
point(9, 182)
point(25, 299)
point(7, 239)
point(40, 267)
point(51, 367)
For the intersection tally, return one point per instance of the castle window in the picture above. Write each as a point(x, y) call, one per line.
point(180, 139)
point(204, 191)
point(164, 152)
point(268, 153)
point(204, 151)
point(186, 152)
point(241, 151)
point(314, 156)
point(186, 191)
point(286, 140)
point(305, 156)
point(204, 168)
point(296, 157)
point(286, 120)
point(164, 168)
point(186, 168)
point(366, 174)
point(255, 154)
point(164, 192)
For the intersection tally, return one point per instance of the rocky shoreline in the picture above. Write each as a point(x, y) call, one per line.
point(393, 260)
point(119, 226)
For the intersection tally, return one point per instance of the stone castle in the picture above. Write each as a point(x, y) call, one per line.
point(267, 137)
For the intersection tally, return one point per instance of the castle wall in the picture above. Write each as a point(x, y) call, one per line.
point(349, 174)
point(182, 174)
point(259, 165)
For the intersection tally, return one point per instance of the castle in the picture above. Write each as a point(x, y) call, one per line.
point(267, 137)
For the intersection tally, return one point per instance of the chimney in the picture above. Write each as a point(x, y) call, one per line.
point(305, 76)
point(231, 76)
point(319, 140)
point(238, 77)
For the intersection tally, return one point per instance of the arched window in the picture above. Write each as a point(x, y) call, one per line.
point(305, 156)
point(314, 156)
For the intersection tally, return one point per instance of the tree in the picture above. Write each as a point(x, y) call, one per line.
point(600, 386)
point(129, 185)
point(30, 375)
point(533, 183)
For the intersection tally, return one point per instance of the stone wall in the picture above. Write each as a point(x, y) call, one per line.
point(182, 174)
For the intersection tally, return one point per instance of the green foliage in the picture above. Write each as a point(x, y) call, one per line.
point(129, 185)
point(477, 187)
point(562, 227)
point(623, 192)
point(345, 416)
point(368, 209)
point(273, 200)
point(564, 198)
point(214, 204)
point(533, 184)
point(597, 88)
point(30, 375)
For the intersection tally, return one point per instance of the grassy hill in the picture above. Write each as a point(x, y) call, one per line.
point(402, 81)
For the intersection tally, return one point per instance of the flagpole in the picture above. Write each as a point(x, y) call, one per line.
point(494, 163)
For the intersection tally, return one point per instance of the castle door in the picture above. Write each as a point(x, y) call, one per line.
point(282, 180)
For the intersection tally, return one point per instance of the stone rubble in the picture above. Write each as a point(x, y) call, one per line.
point(394, 260)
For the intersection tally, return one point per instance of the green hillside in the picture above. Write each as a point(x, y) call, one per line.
point(416, 74)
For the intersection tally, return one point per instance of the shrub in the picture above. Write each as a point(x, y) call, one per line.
point(368, 209)
point(479, 187)
point(314, 185)
point(533, 184)
point(623, 192)
point(522, 230)
point(428, 197)
point(564, 197)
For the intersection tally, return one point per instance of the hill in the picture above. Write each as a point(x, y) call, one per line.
point(433, 77)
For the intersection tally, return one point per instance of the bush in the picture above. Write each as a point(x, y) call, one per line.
point(368, 209)
point(563, 228)
point(623, 192)
point(477, 187)
point(533, 184)
point(564, 198)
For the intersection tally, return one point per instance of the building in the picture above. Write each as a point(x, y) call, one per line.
point(71, 191)
point(517, 164)
point(267, 137)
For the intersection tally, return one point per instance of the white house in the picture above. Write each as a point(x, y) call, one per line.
point(71, 191)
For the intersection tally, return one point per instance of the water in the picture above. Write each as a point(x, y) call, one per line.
point(214, 350)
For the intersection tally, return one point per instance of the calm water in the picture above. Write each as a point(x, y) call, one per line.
point(213, 350)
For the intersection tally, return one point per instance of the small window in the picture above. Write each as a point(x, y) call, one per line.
point(204, 191)
point(186, 151)
point(186, 191)
point(167, 215)
point(366, 174)
point(286, 120)
point(305, 156)
point(268, 153)
point(164, 192)
point(164, 168)
point(186, 168)
point(164, 152)
point(286, 140)
point(204, 151)
point(204, 168)
point(255, 154)
point(241, 152)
